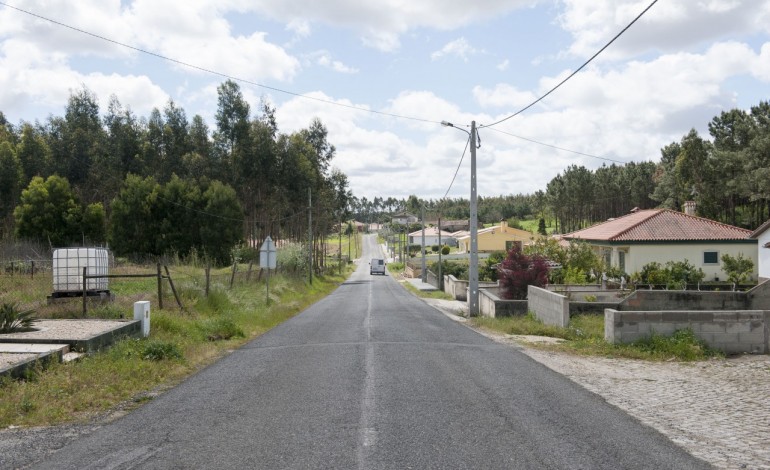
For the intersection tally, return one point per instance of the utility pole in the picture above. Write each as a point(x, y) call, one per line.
point(473, 269)
point(424, 271)
point(440, 246)
point(310, 236)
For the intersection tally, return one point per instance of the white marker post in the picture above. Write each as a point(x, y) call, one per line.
point(267, 259)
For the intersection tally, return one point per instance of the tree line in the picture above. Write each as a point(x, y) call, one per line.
point(162, 183)
point(728, 177)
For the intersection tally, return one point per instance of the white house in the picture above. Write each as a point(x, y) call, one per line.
point(762, 235)
point(404, 218)
point(661, 235)
point(432, 237)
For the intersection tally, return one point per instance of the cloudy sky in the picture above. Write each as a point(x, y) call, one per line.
point(399, 67)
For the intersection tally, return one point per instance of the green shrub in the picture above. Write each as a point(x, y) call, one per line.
point(13, 319)
point(159, 350)
point(682, 344)
point(215, 329)
point(445, 250)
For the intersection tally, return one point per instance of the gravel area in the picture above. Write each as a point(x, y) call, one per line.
point(7, 360)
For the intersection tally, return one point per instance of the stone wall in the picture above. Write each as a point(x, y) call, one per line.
point(731, 331)
point(551, 308)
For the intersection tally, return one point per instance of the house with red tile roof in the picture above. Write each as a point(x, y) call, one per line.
point(631, 241)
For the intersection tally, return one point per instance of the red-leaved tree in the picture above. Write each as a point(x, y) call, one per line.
point(518, 271)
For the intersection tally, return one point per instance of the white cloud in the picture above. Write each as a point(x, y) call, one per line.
point(32, 77)
point(459, 47)
point(668, 26)
point(380, 24)
point(325, 60)
point(502, 66)
point(503, 95)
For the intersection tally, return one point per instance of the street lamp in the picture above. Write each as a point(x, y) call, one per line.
point(473, 268)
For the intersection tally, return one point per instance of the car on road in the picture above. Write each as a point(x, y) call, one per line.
point(377, 266)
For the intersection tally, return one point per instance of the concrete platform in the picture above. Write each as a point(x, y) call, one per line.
point(422, 286)
point(80, 335)
point(53, 340)
point(16, 358)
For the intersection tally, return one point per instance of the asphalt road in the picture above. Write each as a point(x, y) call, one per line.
point(373, 378)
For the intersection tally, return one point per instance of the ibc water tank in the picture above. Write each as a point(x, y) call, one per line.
point(68, 264)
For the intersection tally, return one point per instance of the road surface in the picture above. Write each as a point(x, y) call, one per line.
point(373, 378)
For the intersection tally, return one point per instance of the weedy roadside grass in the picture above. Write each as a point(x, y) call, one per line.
point(437, 294)
point(181, 342)
point(585, 336)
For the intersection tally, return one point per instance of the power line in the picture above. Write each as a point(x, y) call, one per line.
point(576, 71)
point(556, 147)
point(467, 142)
point(214, 72)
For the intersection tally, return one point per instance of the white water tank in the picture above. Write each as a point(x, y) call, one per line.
point(68, 264)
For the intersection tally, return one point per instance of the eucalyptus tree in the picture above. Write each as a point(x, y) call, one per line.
point(11, 176)
point(33, 153)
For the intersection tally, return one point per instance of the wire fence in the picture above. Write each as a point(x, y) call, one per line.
point(30, 283)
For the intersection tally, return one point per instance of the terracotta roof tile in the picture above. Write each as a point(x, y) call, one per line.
point(660, 225)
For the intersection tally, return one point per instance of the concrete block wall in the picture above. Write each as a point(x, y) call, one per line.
point(490, 305)
point(458, 288)
point(731, 331)
point(646, 300)
point(550, 307)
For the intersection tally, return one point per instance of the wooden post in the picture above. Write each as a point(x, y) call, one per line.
point(208, 278)
point(160, 289)
point(173, 289)
point(85, 309)
point(232, 276)
point(32, 273)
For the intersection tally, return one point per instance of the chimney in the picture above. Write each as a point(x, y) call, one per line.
point(689, 208)
point(503, 225)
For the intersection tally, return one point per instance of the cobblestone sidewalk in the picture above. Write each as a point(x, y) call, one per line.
point(718, 410)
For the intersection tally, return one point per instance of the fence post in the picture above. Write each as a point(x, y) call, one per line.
point(173, 289)
point(85, 273)
point(32, 273)
point(208, 278)
point(232, 276)
point(160, 289)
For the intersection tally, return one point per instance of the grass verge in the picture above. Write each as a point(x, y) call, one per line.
point(585, 335)
point(180, 343)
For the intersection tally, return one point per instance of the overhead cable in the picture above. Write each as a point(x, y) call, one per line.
point(576, 71)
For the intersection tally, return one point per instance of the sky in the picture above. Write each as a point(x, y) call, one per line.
point(382, 76)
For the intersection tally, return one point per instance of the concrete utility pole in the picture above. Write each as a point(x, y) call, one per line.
point(310, 235)
point(473, 268)
point(424, 271)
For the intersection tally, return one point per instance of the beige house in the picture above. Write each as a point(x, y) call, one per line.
point(663, 235)
point(498, 238)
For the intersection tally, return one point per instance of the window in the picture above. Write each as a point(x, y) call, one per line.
point(622, 260)
point(710, 257)
point(509, 244)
